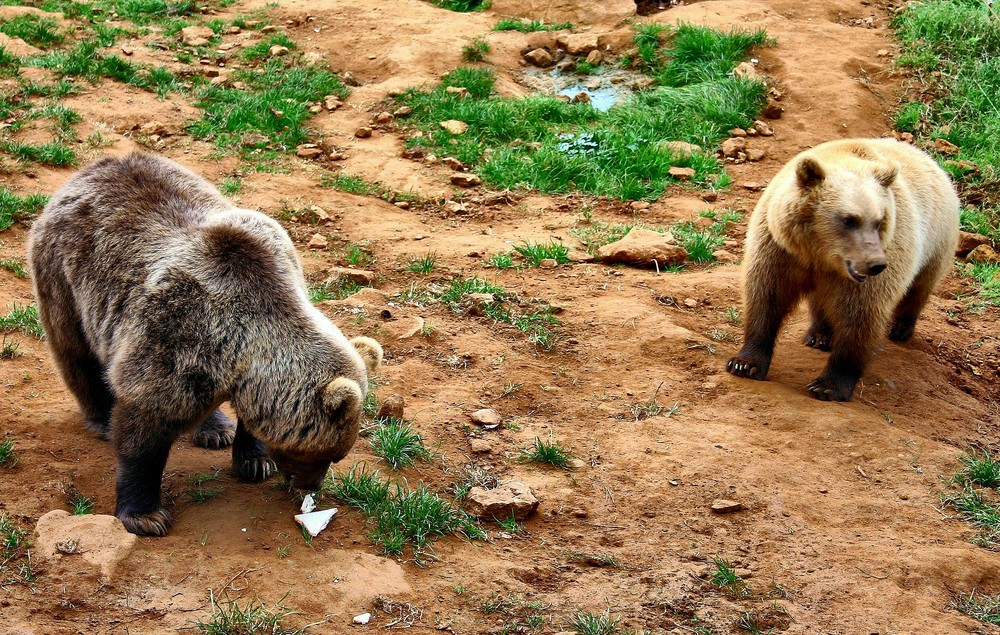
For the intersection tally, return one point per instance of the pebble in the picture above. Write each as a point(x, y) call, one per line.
point(725, 506)
point(485, 417)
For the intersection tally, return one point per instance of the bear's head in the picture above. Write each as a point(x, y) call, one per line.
point(843, 216)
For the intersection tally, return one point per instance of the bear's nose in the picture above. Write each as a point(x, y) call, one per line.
point(874, 270)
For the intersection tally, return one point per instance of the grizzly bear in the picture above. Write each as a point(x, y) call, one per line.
point(865, 228)
point(160, 301)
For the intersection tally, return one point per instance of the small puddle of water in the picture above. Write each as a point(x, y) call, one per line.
point(605, 88)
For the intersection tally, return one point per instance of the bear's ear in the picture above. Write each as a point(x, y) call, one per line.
point(886, 174)
point(809, 172)
point(370, 350)
point(345, 395)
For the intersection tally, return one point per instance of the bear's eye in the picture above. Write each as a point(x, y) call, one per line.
point(850, 222)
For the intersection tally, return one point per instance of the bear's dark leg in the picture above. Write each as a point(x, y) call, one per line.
point(250, 461)
point(142, 443)
point(913, 303)
point(83, 374)
point(215, 432)
point(820, 333)
point(858, 327)
point(773, 286)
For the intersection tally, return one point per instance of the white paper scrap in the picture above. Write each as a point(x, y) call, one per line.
point(363, 618)
point(315, 522)
point(308, 504)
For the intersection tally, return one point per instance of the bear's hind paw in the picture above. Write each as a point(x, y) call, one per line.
point(826, 389)
point(156, 523)
point(819, 341)
point(742, 367)
point(215, 433)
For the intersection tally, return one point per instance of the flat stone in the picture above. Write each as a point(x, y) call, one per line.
point(983, 254)
point(99, 540)
point(644, 248)
point(539, 57)
point(514, 498)
point(755, 154)
point(391, 407)
point(402, 111)
point(318, 241)
point(681, 174)
point(365, 297)
point(277, 50)
point(196, 35)
point(967, 241)
point(480, 446)
point(485, 417)
point(360, 277)
point(679, 149)
point(725, 506)
point(454, 126)
point(466, 179)
point(363, 132)
point(577, 43)
point(725, 257)
point(308, 151)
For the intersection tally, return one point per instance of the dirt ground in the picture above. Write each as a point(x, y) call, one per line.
point(842, 530)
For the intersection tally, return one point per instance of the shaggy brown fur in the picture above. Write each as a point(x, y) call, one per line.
point(865, 228)
point(161, 300)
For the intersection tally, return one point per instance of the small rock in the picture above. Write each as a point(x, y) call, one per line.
point(575, 255)
point(983, 254)
point(595, 58)
point(645, 248)
point(485, 417)
point(402, 111)
point(690, 303)
point(548, 263)
point(752, 186)
point(581, 98)
point(277, 50)
point(454, 126)
point(514, 498)
point(362, 619)
point(459, 91)
point(308, 151)
point(725, 257)
point(577, 43)
point(763, 129)
point(318, 241)
point(196, 35)
point(967, 241)
point(755, 154)
point(480, 446)
point(332, 102)
point(732, 147)
point(128, 51)
point(466, 179)
point(946, 147)
point(101, 540)
point(363, 132)
point(383, 118)
point(746, 70)
point(679, 149)
point(681, 174)
point(640, 206)
point(710, 196)
point(359, 277)
point(724, 506)
point(453, 163)
point(737, 132)
point(772, 111)
point(391, 407)
point(539, 57)
point(348, 78)
point(576, 464)
point(319, 213)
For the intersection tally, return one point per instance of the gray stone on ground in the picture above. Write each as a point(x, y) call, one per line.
point(514, 498)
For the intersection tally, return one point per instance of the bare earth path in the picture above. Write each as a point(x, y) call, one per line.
point(841, 527)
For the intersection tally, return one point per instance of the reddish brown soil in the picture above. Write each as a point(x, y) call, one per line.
point(842, 499)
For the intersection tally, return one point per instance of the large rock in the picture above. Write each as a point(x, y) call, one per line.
point(577, 43)
point(732, 147)
point(642, 247)
point(540, 57)
point(514, 498)
point(196, 35)
point(98, 540)
point(616, 41)
point(967, 241)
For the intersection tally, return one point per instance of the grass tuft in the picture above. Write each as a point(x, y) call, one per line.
point(37, 31)
point(535, 253)
point(15, 557)
point(583, 623)
point(724, 577)
point(8, 458)
point(476, 51)
point(983, 608)
point(462, 6)
point(979, 468)
point(529, 26)
point(550, 452)
point(423, 264)
point(24, 319)
point(250, 619)
point(16, 267)
point(398, 444)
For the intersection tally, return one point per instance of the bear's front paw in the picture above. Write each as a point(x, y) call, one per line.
point(747, 367)
point(155, 523)
point(826, 389)
point(215, 433)
point(818, 340)
point(254, 469)
point(902, 330)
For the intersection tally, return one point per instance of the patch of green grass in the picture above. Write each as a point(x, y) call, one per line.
point(550, 452)
point(231, 186)
point(460, 288)
point(262, 50)
point(585, 68)
point(399, 516)
point(984, 608)
point(252, 618)
point(699, 243)
point(652, 408)
point(87, 60)
point(333, 290)
point(584, 623)
point(24, 319)
point(45, 153)
point(357, 255)
point(510, 525)
point(202, 494)
point(8, 458)
point(352, 184)
point(981, 221)
point(9, 349)
point(462, 6)
point(15, 557)
point(35, 30)
point(501, 261)
point(79, 504)
point(15, 267)
point(545, 144)
point(982, 515)
point(398, 444)
point(978, 468)
point(476, 51)
point(529, 26)
point(423, 264)
point(273, 105)
point(910, 115)
point(987, 277)
point(535, 253)
point(14, 207)
point(724, 577)
point(536, 323)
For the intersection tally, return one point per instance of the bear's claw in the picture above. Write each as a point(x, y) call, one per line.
point(744, 368)
point(254, 469)
point(156, 523)
point(215, 433)
point(819, 341)
point(826, 390)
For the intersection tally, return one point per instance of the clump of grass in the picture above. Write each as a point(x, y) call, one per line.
point(87, 61)
point(24, 319)
point(9, 349)
point(501, 261)
point(253, 617)
point(982, 515)
point(652, 408)
point(80, 505)
point(535, 253)
point(910, 116)
point(584, 623)
point(987, 277)
point(699, 243)
point(15, 267)
point(724, 577)
point(979, 468)
point(8, 458)
point(352, 184)
point(983, 608)
point(459, 288)
point(423, 264)
point(555, 147)
point(462, 6)
point(273, 104)
point(333, 290)
point(262, 49)
point(510, 525)
point(202, 494)
point(44, 153)
point(33, 29)
point(473, 475)
point(595, 234)
point(529, 26)
point(230, 186)
point(536, 323)
point(398, 516)
point(476, 51)
point(15, 557)
point(550, 452)
point(357, 255)
point(398, 444)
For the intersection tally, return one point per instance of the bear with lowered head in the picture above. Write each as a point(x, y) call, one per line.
point(160, 301)
point(865, 229)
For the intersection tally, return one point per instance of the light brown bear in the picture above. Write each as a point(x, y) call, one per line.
point(865, 228)
point(161, 300)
